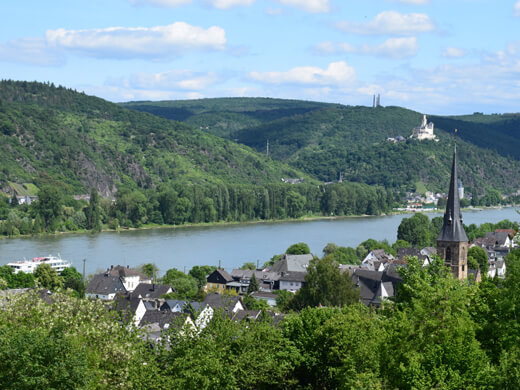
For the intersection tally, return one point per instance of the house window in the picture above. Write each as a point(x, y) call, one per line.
point(448, 253)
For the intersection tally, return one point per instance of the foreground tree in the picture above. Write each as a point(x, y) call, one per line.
point(47, 277)
point(325, 285)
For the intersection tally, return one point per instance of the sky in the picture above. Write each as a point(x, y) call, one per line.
point(444, 57)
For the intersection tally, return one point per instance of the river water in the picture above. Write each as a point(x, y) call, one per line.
point(230, 245)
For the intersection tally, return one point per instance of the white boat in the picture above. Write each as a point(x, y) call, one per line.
point(28, 266)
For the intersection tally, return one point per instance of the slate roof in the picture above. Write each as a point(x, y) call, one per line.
point(452, 229)
point(247, 315)
point(370, 283)
point(219, 276)
point(292, 263)
point(246, 274)
point(124, 272)
point(148, 290)
point(218, 301)
point(169, 304)
point(499, 237)
point(104, 284)
point(161, 318)
point(293, 276)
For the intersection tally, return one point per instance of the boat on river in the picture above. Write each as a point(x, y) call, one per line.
point(28, 266)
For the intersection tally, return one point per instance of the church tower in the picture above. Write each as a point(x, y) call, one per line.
point(452, 243)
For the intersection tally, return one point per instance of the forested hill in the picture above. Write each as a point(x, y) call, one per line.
point(325, 140)
point(51, 134)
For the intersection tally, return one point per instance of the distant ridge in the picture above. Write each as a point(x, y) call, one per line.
point(325, 140)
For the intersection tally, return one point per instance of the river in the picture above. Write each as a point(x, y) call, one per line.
point(229, 245)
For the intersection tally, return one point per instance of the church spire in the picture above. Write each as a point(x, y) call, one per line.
point(452, 229)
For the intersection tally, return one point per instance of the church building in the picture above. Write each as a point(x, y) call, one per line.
point(452, 243)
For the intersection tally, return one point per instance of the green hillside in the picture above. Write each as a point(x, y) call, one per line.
point(326, 140)
point(51, 134)
point(225, 116)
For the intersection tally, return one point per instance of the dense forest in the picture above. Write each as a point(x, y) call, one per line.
point(327, 140)
point(189, 204)
point(53, 135)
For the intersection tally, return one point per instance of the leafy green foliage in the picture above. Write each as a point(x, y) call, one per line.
point(416, 230)
point(479, 256)
point(47, 277)
point(300, 248)
point(325, 285)
point(201, 272)
point(184, 286)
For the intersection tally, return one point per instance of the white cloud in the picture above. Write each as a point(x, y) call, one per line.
point(311, 6)
point(516, 8)
point(336, 73)
point(225, 4)
point(30, 51)
point(392, 48)
point(161, 3)
point(416, 2)
point(453, 52)
point(176, 79)
point(133, 42)
point(390, 22)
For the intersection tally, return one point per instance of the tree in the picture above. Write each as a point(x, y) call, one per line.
point(253, 284)
point(184, 286)
point(415, 230)
point(201, 272)
point(47, 277)
point(93, 212)
point(74, 280)
point(300, 248)
point(431, 340)
point(249, 265)
point(49, 206)
point(325, 285)
point(478, 255)
point(149, 269)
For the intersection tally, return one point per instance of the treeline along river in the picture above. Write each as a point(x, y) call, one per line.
point(231, 245)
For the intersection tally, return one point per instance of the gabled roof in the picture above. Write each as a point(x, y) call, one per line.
point(238, 274)
point(104, 284)
point(247, 315)
point(452, 229)
point(169, 304)
point(125, 272)
point(292, 263)
point(218, 301)
point(293, 276)
point(370, 284)
point(147, 290)
point(499, 237)
point(161, 318)
point(219, 276)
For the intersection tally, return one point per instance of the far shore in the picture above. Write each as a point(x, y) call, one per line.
point(253, 222)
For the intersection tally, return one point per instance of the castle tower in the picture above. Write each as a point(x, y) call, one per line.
point(452, 243)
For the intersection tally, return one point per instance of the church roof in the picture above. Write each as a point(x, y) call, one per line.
point(452, 228)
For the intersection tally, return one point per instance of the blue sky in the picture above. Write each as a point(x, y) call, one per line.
point(432, 56)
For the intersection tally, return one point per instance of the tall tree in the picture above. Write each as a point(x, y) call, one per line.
point(47, 277)
point(93, 212)
point(325, 285)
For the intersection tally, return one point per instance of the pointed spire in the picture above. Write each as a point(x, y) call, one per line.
point(452, 229)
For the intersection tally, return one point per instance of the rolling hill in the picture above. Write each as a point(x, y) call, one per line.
point(51, 134)
point(325, 140)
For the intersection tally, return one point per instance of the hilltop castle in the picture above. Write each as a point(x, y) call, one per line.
point(425, 131)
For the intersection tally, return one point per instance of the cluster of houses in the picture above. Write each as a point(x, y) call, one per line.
point(145, 304)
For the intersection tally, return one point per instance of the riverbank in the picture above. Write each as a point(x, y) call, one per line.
point(306, 218)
